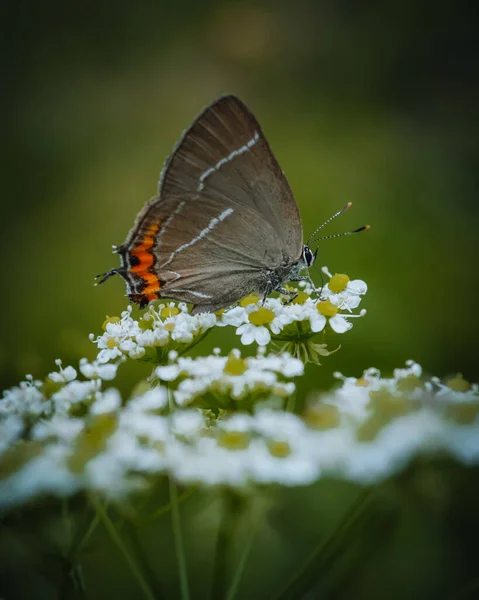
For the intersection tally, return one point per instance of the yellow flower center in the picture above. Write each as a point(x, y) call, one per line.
point(279, 391)
point(92, 440)
point(323, 416)
point(170, 327)
point(464, 413)
point(109, 320)
point(459, 384)
point(235, 365)
point(262, 316)
point(279, 449)
point(301, 297)
point(338, 282)
point(169, 311)
point(251, 299)
point(327, 308)
point(234, 440)
point(409, 384)
point(361, 382)
point(369, 429)
point(388, 406)
point(111, 343)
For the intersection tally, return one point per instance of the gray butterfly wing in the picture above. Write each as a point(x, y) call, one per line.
point(225, 154)
point(206, 252)
point(224, 216)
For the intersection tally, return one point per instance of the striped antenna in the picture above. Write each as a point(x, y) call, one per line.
point(335, 235)
point(340, 212)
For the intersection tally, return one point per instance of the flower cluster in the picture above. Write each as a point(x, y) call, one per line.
point(163, 328)
point(226, 420)
point(258, 321)
point(230, 382)
point(87, 438)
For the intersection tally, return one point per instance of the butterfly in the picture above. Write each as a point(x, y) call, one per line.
point(224, 223)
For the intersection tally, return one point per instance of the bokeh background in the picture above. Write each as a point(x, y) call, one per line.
point(370, 102)
point(374, 103)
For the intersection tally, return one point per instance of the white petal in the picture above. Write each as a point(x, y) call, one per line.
point(107, 372)
point(248, 335)
point(339, 324)
point(168, 372)
point(276, 326)
point(262, 336)
point(318, 321)
point(235, 316)
point(352, 302)
point(357, 286)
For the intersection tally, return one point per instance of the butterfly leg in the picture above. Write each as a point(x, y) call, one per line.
point(292, 295)
point(306, 278)
point(268, 289)
point(102, 277)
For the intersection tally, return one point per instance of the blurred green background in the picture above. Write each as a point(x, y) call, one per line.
point(374, 103)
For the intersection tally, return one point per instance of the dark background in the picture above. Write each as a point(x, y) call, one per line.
point(374, 103)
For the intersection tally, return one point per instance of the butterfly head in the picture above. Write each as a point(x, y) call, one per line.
point(308, 256)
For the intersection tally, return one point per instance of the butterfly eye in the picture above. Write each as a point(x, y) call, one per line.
point(308, 256)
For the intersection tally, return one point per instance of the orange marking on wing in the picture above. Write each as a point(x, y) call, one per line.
point(151, 289)
point(151, 297)
point(142, 252)
point(145, 244)
point(150, 279)
point(146, 260)
point(148, 239)
point(152, 283)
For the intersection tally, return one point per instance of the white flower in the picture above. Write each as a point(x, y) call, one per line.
point(295, 468)
point(365, 431)
point(106, 402)
point(25, 400)
point(153, 337)
point(159, 326)
point(338, 322)
point(74, 393)
point(59, 428)
point(280, 363)
point(234, 316)
point(187, 423)
point(262, 319)
point(44, 473)
point(256, 321)
point(94, 370)
point(412, 368)
point(152, 400)
point(252, 333)
point(207, 463)
point(64, 375)
point(231, 377)
point(11, 428)
point(342, 292)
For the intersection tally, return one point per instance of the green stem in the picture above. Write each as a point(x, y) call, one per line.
point(291, 402)
point(238, 574)
point(88, 532)
point(176, 522)
point(81, 538)
point(105, 519)
point(66, 522)
point(323, 547)
point(226, 533)
point(197, 341)
point(159, 512)
point(180, 551)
